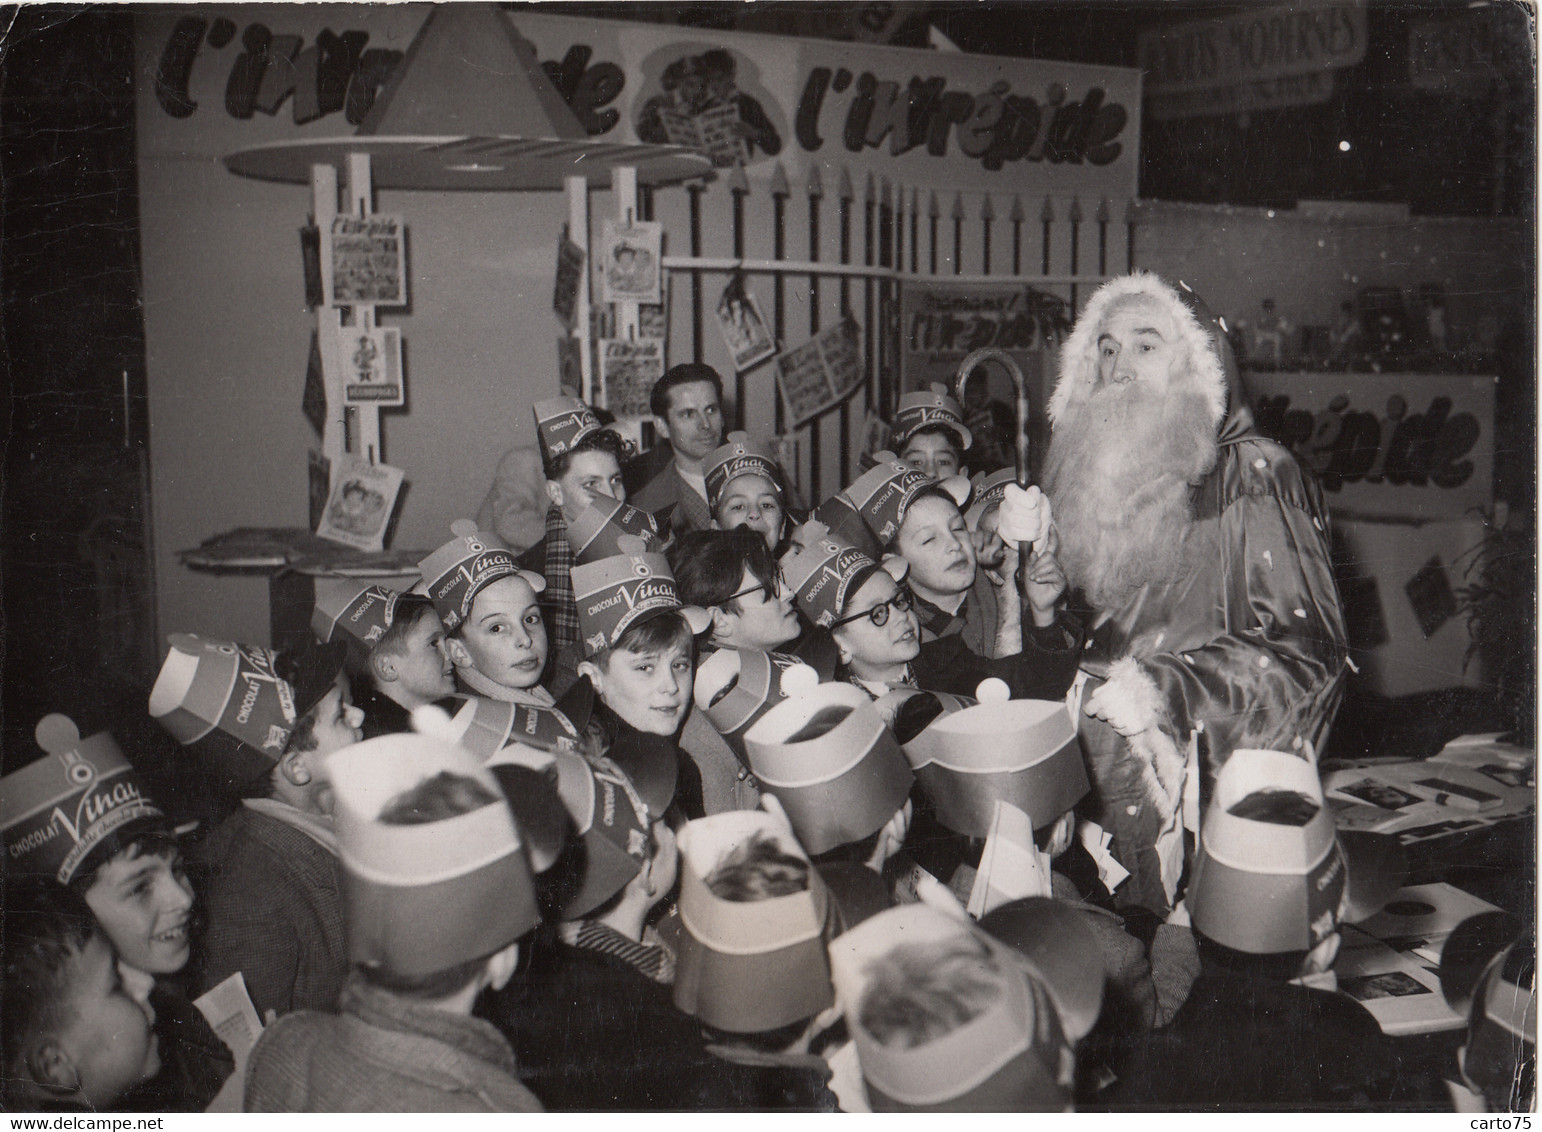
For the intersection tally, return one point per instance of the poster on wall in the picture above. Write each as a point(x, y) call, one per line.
point(570, 273)
point(748, 338)
point(368, 261)
point(629, 262)
point(570, 366)
point(821, 373)
point(371, 364)
point(628, 371)
point(360, 503)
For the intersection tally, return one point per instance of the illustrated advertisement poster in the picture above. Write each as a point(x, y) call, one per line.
point(360, 503)
point(744, 328)
point(821, 373)
point(371, 364)
point(368, 261)
point(629, 263)
point(628, 371)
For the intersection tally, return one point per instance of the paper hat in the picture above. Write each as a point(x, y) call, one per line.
point(883, 494)
point(909, 711)
point(1011, 1057)
point(464, 567)
point(357, 611)
point(840, 518)
point(610, 820)
point(986, 491)
point(1024, 752)
point(627, 589)
point(598, 532)
point(737, 457)
point(735, 687)
point(55, 811)
point(1501, 1053)
point(562, 422)
point(831, 762)
point(929, 406)
point(422, 898)
point(824, 572)
point(484, 726)
point(233, 701)
point(1055, 939)
point(1467, 952)
point(1260, 887)
point(748, 967)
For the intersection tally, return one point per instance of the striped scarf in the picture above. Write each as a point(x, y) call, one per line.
point(651, 960)
point(560, 602)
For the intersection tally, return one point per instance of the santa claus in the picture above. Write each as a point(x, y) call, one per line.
point(1202, 552)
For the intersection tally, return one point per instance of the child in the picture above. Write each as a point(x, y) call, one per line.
point(437, 879)
point(496, 635)
point(74, 1038)
point(738, 581)
point(581, 461)
point(401, 640)
point(275, 913)
point(636, 676)
point(929, 432)
point(744, 489)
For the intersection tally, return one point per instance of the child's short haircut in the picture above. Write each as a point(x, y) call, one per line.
point(759, 869)
point(1277, 807)
point(45, 927)
point(656, 635)
point(601, 440)
point(708, 566)
point(944, 431)
point(936, 489)
point(443, 796)
point(410, 609)
point(919, 992)
point(153, 837)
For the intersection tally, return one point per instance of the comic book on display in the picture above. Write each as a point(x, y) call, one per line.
point(371, 364)
point(628, 371)
point(821, 373)
point(745, 333)
point(368, 261)
point(713, 132)
point(359, 505)
point(629, 262)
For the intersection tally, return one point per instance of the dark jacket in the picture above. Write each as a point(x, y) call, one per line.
point(646, 758)
point(1044, 669)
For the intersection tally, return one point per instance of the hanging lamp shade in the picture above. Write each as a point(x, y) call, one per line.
point(469, 107)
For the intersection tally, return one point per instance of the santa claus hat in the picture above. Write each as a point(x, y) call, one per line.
point(361, 612)
point(464, 567)
point(1079, 355)
point(735, 687)
point(738, 456)
point(930, 406)
point(597, 531)
point(748, 966)
point(882, 495)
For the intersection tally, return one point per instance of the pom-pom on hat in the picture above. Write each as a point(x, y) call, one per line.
point(1011, 1057)
point(54, 812)
point(464, 567)
point(831, 762)
point(627, 589)
point(352, 610)
point(562, 422)
point(1024, 752)
point(238, 704)
point(484, 726)
point(597, 532)
point(930, 406)
point(882, 495)
point(839, 516)
point(425, 897)
point(738, 456)
point(987, 490)
point(735, 687)
point(748, 967)
point(825, 572)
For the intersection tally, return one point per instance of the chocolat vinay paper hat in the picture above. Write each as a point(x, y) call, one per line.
point(561, 422)
point(738, 456)
point(609, 819)
point(598, 531)
point(748, 967)
point(735, 687)
point(229, 702)
point(465, 566)
point(627, 589)
point(832, 763)
point(839, 516)
point(882, 495)
point(1024, 752)
point(1013, 1056)
point(1502, 1031)
point(986, 490)
point(422, 898)
point(929, 406)
point(485, 726)
point(56, 810)
point(356, 610)
point(1264, 888)
point(825, 571)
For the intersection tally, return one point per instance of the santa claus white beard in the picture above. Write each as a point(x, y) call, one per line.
point(1118, 474)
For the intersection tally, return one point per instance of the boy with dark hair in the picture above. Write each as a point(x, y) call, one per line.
point(929, 432)
point(275, 913)
point(733, 575)
point(438, 881)
point(687, 406)
point(74, 1038)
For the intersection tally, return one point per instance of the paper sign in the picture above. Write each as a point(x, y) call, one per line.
point(360, 503)
point(371, 364)
point(368, 262)
point(1012, 867)
point(744, 328)
point(653, 320)
point(229, 1011)
point(820, 373)
point(875, 434)
point(570, 368)
point(628, 371)
point(570, 273)
point(629, 264)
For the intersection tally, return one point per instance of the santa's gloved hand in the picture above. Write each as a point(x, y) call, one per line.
point(1024, 515)
point(1128, 702)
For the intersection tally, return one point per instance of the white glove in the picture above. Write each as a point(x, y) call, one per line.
point(1024, 514)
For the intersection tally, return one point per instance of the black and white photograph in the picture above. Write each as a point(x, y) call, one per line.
point(1087, 664)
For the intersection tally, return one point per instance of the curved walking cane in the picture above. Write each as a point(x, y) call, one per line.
point(972, 361)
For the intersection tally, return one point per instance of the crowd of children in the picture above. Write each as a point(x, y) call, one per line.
point(775, 813)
